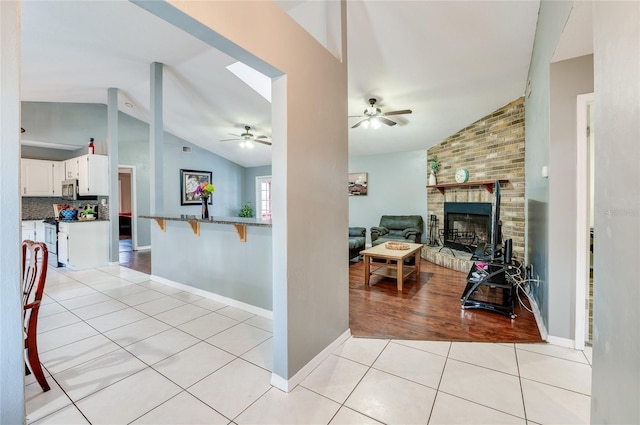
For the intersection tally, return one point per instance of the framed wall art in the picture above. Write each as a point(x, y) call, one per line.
point(189, 180)
point(358, 184)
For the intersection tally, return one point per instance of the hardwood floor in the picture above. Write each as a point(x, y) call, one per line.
point(428, 309)
point(136, 260)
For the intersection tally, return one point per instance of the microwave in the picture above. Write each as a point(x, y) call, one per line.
point(70, 192)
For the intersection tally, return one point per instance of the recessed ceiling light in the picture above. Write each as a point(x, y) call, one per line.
point(128, 104)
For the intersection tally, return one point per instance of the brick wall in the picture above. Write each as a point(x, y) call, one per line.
point(491, 148)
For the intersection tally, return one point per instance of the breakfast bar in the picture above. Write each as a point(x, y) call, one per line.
point(226, 256)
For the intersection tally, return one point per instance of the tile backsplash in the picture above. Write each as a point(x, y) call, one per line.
point(38, 208)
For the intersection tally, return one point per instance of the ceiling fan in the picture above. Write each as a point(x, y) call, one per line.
point(374, 117)
point(247, 139)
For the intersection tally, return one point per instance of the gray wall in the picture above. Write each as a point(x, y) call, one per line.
point(12, 388)
point(216, 261)
point(397, 186)
point(569, 78)
point(65, 123)
point(133, 149)
point(227, 177)
point(551, 20)
point(616, 342)
point(250, 174)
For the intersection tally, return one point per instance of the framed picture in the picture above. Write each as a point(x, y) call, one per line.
point(189, 180)
point(358, 184)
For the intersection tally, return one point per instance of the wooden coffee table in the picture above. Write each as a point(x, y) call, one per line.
point(397, 270)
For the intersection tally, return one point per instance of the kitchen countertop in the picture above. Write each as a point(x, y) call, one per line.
point(64, 221)
point(219, 220)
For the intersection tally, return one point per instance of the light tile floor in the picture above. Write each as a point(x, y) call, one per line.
point(119, 349)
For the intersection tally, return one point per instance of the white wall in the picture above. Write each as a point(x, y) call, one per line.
point(397, 186)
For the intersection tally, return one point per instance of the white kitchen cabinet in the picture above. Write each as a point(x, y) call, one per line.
point(39, 177)
point(58, 177)
point(92, 172)
point(39, 236)
point(29, 230)
point(71, 169)
point(83, 244)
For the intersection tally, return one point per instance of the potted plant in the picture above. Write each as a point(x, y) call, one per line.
point(88, 212)
point(434, 164)
point(246, 210)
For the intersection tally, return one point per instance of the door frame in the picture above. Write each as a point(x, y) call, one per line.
point(582, 218)
point(134, 206)
point(259, 179)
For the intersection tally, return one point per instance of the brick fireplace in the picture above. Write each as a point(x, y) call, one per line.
point(490, 148)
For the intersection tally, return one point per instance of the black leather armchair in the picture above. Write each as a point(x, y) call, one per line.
point(356, 241)
point(399, 228)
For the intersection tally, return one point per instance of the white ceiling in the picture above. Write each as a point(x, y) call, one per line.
point(451, 62)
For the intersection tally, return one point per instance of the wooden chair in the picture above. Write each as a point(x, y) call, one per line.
point(34, 275)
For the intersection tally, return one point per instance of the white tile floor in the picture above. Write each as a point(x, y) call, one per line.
point(119, 349)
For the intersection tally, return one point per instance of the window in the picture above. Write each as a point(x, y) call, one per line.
point(263, 197)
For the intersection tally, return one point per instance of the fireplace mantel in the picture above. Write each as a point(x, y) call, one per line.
point(488, 184)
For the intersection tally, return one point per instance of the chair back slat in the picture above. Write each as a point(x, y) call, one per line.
point(34, 272)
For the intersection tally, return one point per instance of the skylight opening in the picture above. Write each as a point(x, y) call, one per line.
point(254, 79)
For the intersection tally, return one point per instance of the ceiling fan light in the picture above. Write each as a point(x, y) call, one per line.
point(242, 144)
point(249, 144)
point(375, 123)
point(365, 124)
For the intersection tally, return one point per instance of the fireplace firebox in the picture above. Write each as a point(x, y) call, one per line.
point(466, 224)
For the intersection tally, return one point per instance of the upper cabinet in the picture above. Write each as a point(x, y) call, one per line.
point(93, 172)
point(40, 178)
point(58, 177)
point(44, 178)
point(71, 169)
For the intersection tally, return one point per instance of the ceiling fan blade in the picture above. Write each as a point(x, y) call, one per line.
point(402, 112)
point(228, 140)
point(264, 142)
point(262, 137)
point(386, 121)
point(357, 116)
point(358, 123)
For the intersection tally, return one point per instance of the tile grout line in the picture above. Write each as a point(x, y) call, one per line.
point(439, 382)
point(524, 405)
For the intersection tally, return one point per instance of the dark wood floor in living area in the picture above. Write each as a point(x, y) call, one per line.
point(429, 309)
point(136, 260)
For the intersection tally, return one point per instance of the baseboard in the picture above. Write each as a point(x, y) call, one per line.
point(143, 248)
point(538, 316)
point(561, 342)
point(210, 295)
point(544, 334)
point(114, 263)
point(289, 384)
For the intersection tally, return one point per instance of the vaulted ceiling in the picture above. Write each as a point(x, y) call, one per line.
point(450, 62)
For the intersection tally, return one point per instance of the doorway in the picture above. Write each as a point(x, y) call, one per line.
point(585, 106)
point(126, 209)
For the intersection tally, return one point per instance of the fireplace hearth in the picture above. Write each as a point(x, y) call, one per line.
point(466, 224)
